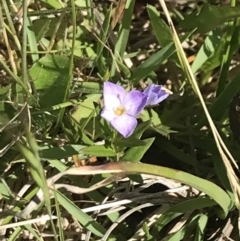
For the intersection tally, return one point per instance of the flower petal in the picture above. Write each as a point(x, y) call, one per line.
point(152, 99)
point(124, 124)
point(113, 95)
point(111, 102)
point(149, 90)
point(155, 94)
point(110, 88)
point(134, 102)
point(162, 96)
point(108, 115)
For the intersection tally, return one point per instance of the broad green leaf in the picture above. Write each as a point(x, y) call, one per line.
point(135, 154)
point(151, 114)
point(160, 28)
point(50, 77)
point(78, 47)
point(214, 60)
point(207, 49)
point(98, 150)
point(83, 111)
point(209, 17)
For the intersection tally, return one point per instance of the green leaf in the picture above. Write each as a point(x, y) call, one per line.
point(41, 32)
point(214, 60)
point(87, 222)
point(151, 114)
point(183, 207)
point(135, 154)
point(104, 30)
point(33, 232)
point(83, 111)
point(223, 101)
point(98, 150)
point(46, 26)
point(163, 130)
point(32, 41)
point(49, 152)
point(207, 49)
point(124, 69)
point(54, 3)
point(152, 63)
point(209, 17)
point(123, 33)
point(35, 167)
point(220, 170)
point(202, 223)
point(209, 188)
point(160, 28)
point(50, 77)
point(5, 191)
point(155, 60)
point(134, 139)
point(168, 147)
point(141, 128)
point(146, 231)
point(231, 46)
point(128, 142)
point(178, 236)
point(90, 85)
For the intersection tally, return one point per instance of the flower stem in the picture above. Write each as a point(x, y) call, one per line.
point(115, 147)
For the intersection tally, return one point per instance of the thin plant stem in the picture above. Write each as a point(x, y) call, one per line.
point(67, 92)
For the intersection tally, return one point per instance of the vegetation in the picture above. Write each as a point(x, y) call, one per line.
point(68, 171)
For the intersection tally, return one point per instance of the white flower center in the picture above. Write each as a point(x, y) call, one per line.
point(120, 110)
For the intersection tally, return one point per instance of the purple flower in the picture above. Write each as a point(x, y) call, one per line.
point(155, 94)
point(121, 108)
